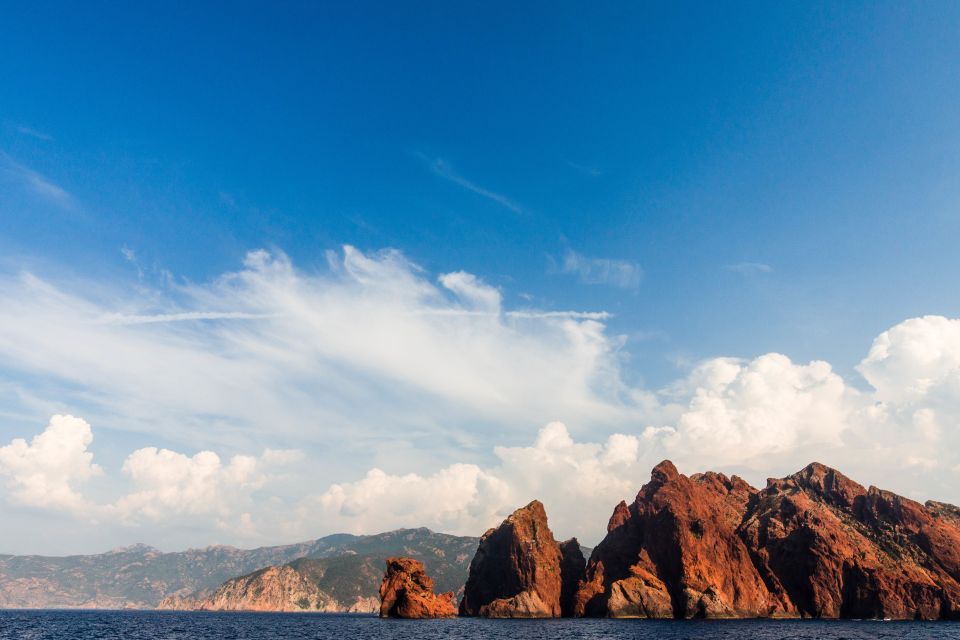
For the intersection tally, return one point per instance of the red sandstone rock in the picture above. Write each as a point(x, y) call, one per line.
point(407, 592)
point(518, 569)
point(812, 544)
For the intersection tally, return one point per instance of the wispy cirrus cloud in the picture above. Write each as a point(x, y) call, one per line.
point(33, 133)
point(442, 168)
point(20, 176)
point(747, 268)
point(587, 170)
point(271, 347)
point(623, 274)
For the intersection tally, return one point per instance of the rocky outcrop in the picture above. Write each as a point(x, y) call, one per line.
point(407, 592)
point(813, 544)
point(519, 570)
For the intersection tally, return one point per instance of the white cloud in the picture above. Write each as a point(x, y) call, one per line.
point(472, 291)
point(170, 483)
point(47, 472)
point(460, 497)
point(741, 411)
point(616, 273)
point(760, 417)
point(914, 359)
point(578, 483)
point(376, 363)
point(310, 354)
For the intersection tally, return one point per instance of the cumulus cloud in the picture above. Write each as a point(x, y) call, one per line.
point(48, 471)
point(607, 271)
point(578, 482)
point(460, 497)
point(915, 359)
point(170, 483)
point(163, 486)
point(742, 411)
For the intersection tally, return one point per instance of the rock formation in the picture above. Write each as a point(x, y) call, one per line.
point(573, 568)
point(518, 570)
point(813, 544)
point(407, 592)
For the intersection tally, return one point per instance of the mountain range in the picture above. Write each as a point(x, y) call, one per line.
point(343, 567)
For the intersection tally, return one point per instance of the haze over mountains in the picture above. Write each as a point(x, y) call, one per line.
point(140, 576)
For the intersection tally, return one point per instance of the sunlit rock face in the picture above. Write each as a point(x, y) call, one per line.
point(407, 592)
point(813, 544)
point(518, 570)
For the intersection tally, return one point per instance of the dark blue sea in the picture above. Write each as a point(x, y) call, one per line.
point(175, 625)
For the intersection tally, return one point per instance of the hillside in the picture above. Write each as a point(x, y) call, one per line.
point(346, 579)
point(141, 576)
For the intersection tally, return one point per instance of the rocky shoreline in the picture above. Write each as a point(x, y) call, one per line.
point(814, 544)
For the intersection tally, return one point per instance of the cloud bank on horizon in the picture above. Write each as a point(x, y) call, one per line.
point(293, 380)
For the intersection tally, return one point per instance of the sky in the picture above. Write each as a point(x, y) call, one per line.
point(270, 271)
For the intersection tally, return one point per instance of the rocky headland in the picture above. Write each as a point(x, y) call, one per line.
point(814, 544)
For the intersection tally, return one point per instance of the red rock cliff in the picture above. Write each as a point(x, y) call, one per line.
point(518, 570)
point(813, 544)
point(407, 592)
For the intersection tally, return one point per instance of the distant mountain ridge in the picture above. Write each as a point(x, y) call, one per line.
point(140, 576)
point(345, 582)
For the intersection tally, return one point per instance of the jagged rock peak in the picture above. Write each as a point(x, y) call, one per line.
point(664, 472)
point(811, 544)
point(621, 513)
point(827, 483)
point(520, 571)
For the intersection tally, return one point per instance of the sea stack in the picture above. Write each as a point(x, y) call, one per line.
point(407, 592)
point(813, 544)
point(518, 570)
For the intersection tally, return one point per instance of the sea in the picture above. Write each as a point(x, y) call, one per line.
point(177, 625)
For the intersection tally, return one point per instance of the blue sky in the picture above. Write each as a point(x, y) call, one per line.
point(722, 181)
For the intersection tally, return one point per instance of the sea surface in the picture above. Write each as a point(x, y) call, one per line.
point(177, 625)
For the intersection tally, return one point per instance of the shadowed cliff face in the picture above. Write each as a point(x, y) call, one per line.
point(407, 592)
point(812, 544)
point(572, 570)
point(518, 570)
